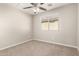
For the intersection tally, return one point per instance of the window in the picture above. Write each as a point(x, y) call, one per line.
point(44, 25)
point(53, 25)
point(50, 24)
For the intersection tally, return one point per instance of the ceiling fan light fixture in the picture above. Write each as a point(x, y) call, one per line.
point(36, 10)
point(36, 7)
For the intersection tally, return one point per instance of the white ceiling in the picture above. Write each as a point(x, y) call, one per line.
point(20, 6)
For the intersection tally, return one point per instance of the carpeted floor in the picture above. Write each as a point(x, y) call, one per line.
point(38, 48)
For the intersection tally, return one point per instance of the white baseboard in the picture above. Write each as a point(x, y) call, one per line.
point(39, 40)
point(15, 44)
point(57, 43)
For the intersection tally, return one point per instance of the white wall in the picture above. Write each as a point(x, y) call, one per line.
point(67, 26)
point(15, 26)
point(78, 28)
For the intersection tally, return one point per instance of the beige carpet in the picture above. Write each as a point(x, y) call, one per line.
point(38, 48)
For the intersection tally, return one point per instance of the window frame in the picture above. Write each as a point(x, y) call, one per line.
point(50, 20)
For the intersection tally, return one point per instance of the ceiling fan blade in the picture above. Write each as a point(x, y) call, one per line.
point(34, 4)
point(28, 7)
point(43, 8)
point(41, 3)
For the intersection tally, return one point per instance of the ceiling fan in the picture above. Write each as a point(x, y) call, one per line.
point(36, 7)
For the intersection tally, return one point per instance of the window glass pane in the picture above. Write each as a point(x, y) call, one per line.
point(44, 25)
point(53, 25)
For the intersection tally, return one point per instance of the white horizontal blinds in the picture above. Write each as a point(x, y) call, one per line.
point(53, 20)
point(53, 24)
point(44, 21)
point(49, 24)
point(44, 25)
